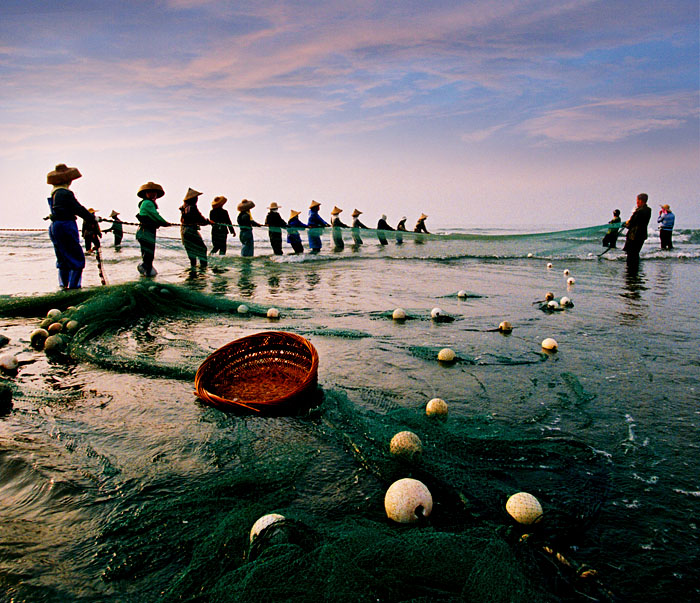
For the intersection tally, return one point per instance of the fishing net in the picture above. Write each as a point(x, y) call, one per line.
point(186, 537)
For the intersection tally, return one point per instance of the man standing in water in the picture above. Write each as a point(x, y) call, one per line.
point(637, 230)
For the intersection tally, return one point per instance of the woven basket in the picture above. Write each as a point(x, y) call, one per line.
point(263, 372)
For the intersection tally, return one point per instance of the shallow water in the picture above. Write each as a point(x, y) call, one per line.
point(114, 481)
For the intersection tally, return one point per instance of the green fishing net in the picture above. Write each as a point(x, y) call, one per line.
point(186, 537)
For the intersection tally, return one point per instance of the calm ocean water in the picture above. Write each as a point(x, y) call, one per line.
point(114, 483)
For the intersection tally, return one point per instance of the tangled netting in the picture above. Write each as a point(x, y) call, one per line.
point(327, 473)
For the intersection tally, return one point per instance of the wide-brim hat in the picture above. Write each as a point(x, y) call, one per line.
point(336, 210)
point(114, 214)
point(666, 207)
point(423, 217)
point(92, 210)
point(274, 205)
point(63, 174)
point(356, 213)
point(293, 214)
point(245, 205)
point(314, 204)
point(218, 201)
point(150, 187)
point(191, 194)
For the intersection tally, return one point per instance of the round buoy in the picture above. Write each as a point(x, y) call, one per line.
point(529, 255)
point(436, 313)
point(566, 272)
point(54, 328)
point(273, 313)
point(461, 293)
point(264, 522)
point(399, 314)
point(405, 444)
point(571, 280)
point(549, 296)
point(53, 314)
point(243, 309)
point(549, 265)
point(505, 327)
point(524, 508)
point(553, 304)
point(408, 500)
point(549, 344)
point(446, 355)
point(564, 302)
point(38, 337)
point(436, 407)
point(72, 326)
point(9, 362)
point(44, 324)
point(53, 343)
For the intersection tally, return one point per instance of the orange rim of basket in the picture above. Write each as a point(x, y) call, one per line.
point(257, 405)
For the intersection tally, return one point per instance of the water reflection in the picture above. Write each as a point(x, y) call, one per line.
point(221, 284)
point(246, 285)
point(635, 284)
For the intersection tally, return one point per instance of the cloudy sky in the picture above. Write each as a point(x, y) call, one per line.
point(542, 112)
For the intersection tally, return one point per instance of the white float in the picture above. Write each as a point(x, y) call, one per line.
point(264, 522)
point(505, 327)
point(9, 362)
point(524, 508)
point(399, 314)
point(436, 313)
point(436, 407)
point(549, 344)
point(405, 444)
point(446, 355)
point(273, 313)
point(243, 309)
point(407, 500)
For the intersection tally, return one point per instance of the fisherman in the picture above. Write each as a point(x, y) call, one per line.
point(637, 230)
point(245, 226)
point(315, 222)
point(293, 236)
point(610, 238)
point(91, 232)
point(420, 225)
point(382, 225)
point(116, 228)
point(356, 226)
point(337, 224)
point(400, 227)
point(221, 225)
point(666, 221)
point(275, 223)
point(63, 231)
point(190, 221)
point(149, 222)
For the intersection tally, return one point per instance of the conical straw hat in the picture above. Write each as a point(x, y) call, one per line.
point(191, 194)
point(335, 211)
point(62, 175)
point(150, 187)
point(314, 204)
point(293, 214)
point(356, 213)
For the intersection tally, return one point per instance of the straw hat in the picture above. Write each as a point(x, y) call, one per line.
point(666, 207)
point(62, 175)
point(92, 211)
point(191, 194)
point(114, 214)
point(422, 217)
point(245, 205)
point(274, 205)
point(335, 211)
point(218, 201)
point(314, 204)
point(356, 213)
point(403, 218)
point(150, 187)
point(293, 214)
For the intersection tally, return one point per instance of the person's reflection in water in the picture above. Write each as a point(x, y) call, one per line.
point(221, 284)
point(312, 279)
point(195, 280)
point(273, 278)
point(635, 285)
point(246, 285)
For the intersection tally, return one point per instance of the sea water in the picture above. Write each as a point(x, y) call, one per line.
point(86, 451)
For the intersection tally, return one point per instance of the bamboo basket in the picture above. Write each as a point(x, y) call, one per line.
point(264, 372)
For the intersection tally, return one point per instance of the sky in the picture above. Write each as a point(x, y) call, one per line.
point(548, 113)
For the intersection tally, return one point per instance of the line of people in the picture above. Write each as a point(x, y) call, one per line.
point(70, 259)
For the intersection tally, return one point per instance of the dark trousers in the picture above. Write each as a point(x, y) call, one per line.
point(666, 235)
